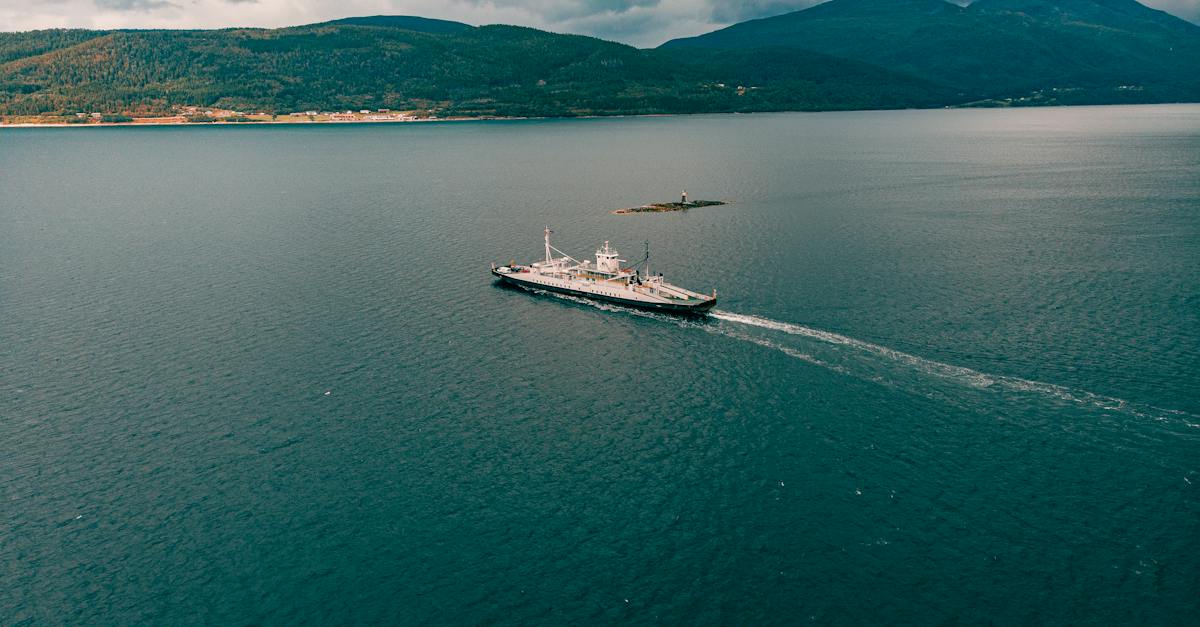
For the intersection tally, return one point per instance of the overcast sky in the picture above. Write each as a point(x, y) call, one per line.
point(637, 22)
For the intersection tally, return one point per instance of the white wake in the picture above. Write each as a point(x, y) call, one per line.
point(960, 374)
point(957, 374)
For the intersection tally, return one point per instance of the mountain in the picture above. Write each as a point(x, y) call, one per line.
point(402, 63)
point(406, 22)
point(1090, 50)
point(843, 54)
point(15, 46)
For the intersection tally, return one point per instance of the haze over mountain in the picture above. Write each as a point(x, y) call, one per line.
point(994, 47)
point(843, 54)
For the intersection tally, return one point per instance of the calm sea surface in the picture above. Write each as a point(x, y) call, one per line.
point(262, 375)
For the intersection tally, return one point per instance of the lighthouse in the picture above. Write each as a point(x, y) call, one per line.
point(683, 199)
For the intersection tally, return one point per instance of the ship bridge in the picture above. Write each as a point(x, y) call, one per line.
point(607, 261)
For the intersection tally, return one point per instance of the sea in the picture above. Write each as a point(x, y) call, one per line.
point(263, 375)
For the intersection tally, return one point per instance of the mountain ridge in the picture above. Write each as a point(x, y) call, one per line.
point(406, 22)
point(842, 54)
point(996, 47)
point(492, 70)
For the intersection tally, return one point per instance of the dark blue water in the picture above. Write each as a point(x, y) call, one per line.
point(262, 375)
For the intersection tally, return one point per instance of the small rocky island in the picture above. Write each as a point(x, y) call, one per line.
point(683, 205)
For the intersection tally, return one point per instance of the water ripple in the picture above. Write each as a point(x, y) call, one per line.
point(927, 367)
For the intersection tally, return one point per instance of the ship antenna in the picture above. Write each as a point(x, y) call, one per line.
point(647, 260)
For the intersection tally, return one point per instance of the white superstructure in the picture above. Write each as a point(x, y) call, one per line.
point(605, 279)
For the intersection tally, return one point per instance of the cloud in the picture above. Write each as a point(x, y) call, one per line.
point(569, 11)
point(1187, 9)
point(731, 12)
point(637, 22)
point(133, 5)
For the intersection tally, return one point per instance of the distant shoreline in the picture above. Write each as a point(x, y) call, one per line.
point(255, 123)
point(4, 125)
point(488, 118)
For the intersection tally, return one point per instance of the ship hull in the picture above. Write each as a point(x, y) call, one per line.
point(672, 308)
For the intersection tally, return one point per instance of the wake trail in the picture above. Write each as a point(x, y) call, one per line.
point(949, 372)
point(958, 374)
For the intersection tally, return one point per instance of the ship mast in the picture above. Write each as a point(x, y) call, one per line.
point(548, 259)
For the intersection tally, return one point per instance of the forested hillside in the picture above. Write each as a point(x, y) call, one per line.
point(1082, 50)
point(490, 70)
point(843, 54)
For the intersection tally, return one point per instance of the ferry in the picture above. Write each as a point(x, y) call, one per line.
point(605, 280)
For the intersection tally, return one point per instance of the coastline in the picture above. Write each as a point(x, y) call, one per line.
point(482, 118)
point(255, 123)
point(495, 118)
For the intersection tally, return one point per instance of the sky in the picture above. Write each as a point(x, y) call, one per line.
point(637, 22)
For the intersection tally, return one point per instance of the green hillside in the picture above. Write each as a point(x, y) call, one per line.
point(844, 54)
point(372, 63)
point(408, 22)
point(1087, 50)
